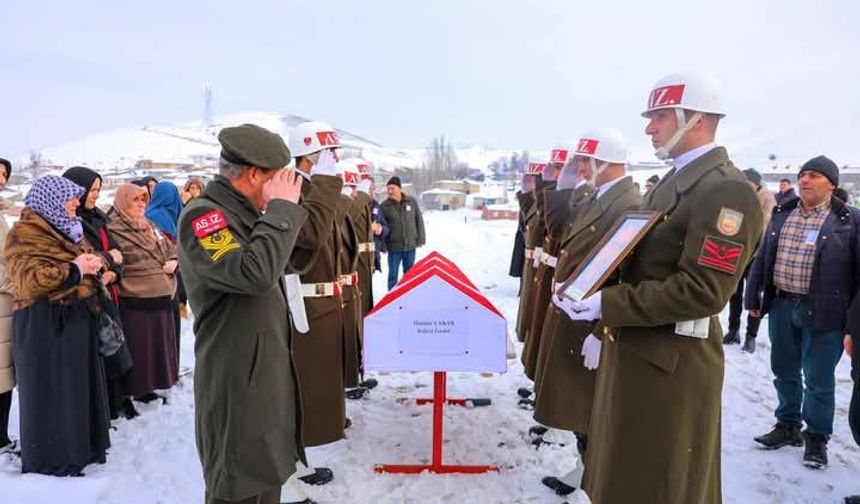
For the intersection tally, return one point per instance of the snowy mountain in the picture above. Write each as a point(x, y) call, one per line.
point(196, 144)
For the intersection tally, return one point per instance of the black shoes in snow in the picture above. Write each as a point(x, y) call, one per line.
point(732, 338)
point(749, 344)
point(815, 454)
point(783, 434)
point(558, 486)
point(321, 476)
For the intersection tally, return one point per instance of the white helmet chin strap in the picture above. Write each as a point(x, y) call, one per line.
point(683, 127)
point(596, 170)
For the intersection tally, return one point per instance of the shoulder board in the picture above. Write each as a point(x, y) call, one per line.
point(209, 223)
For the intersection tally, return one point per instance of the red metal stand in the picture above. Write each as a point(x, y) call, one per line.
point(439, 400)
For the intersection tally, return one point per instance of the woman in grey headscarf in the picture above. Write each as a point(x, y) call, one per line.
point(56, 285)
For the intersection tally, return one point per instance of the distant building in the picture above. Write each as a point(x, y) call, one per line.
point(499, 212)
point(463, 186)
point(442, 199)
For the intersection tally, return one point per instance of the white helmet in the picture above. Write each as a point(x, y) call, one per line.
point(309, 137)
point(349, 171)
point(363, 168)
point(559, 153)
point(697, 92)
point(535, 168)
point(605, 144)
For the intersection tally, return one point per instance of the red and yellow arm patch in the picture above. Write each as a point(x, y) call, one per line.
point(212, 234)
point(720, 254)
point(209, 223)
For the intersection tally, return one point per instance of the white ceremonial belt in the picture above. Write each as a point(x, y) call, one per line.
point(351, 279)
point(367, 247)
point(320, 290)
point(549, 260)
point(698, 328)
point(538, 254)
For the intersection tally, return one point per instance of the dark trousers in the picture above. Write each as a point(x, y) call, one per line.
point(803, 362)
point(5, 406)
point(407, 257)
point(854, 409)
point(736, 307)
point(269, 497)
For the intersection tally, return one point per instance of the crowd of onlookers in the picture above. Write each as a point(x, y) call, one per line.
point(91, 303)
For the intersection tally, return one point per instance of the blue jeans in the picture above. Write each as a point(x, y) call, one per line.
point(407, 257)
point(796, 348)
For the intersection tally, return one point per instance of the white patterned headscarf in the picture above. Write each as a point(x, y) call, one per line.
point(48, 198)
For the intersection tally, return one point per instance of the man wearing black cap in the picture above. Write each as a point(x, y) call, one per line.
point(767, 203)
point(406, 229)
point(805, 277)
point(233, 257)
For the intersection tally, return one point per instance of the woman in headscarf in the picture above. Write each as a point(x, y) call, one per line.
point(94, 223)
point(61, 380)
point(7, 371)
point(192, 189)
point(146, 290)
point(163, 211)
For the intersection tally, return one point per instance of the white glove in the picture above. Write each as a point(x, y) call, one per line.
point(591, 352)
point(347, 190)
point(326, 165)
point(364, 186)
point(587, 309)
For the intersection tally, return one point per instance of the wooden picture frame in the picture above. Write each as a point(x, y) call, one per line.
point(608, 254)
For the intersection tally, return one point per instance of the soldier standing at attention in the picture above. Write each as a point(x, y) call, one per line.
point(318, 354)
point(247, 405)
point(658, 392)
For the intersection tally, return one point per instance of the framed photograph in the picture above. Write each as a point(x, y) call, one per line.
point(607, 255)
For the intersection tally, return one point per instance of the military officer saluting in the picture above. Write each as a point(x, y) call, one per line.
point(657, 405)
point(565, 384)
point(247, 406)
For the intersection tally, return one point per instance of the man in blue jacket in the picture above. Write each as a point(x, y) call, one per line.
point(805, 276)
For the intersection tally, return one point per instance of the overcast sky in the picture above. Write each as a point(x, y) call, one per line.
point(498, 73)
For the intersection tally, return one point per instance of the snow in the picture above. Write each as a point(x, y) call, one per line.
point(154, 459)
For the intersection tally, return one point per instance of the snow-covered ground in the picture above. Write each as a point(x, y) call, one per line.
point(154, 460)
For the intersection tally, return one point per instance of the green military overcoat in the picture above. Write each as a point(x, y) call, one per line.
point(564, 389)
point(571, 200)
point(360, 211)
point(347, 251)
point(529, 209)
point(655, 423)
point(247, 407)
point(318, 354)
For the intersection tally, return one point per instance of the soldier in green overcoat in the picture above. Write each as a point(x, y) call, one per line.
point(654, 434)
point(247, 405)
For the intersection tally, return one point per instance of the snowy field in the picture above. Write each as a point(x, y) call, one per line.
point(154, 461)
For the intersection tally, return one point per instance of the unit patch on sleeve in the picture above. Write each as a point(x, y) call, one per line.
point(720, 254)
point(209, 223)
point(729, 222)
point(219, 243)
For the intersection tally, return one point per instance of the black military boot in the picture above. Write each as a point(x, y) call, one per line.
point(815, 454)
point(524, 392)
point(749, 344)
point(320, 476)
point(558, 486)
point(356, 393)
point(783, 434)
point(732, 337)
point(852, 499)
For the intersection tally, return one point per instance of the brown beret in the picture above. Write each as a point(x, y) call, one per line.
point(252, 145)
